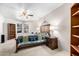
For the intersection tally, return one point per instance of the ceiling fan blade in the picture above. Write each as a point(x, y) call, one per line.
point(30, 15)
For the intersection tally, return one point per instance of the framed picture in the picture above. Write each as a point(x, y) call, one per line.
point(26, 28)
point(19, 28)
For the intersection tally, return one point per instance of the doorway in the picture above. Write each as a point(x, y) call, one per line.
point(11, 31)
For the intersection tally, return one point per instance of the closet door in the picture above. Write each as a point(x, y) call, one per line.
point(11, 31)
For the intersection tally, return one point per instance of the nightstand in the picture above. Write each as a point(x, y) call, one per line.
point(52, 43)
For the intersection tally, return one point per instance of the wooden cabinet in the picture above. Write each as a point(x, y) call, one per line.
point(52, 43)
point(74, 48)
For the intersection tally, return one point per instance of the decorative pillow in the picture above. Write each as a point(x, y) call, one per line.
point(33, 38)
point(25, 39)
point(17, 41)
point(39, 36)
point(20, 39)
point(43, 35)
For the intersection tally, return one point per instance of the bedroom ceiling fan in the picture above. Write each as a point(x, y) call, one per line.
point(25, 13)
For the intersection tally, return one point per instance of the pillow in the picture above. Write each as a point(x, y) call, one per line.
point(17, 41)
point(25, 39)
point(39, 37)
point(43, 35)
point(20, 39)
point(33, 38)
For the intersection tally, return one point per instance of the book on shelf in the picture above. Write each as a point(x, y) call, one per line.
point(76, 48)
point(76, 36)
point(75, 26)
point(77, 12)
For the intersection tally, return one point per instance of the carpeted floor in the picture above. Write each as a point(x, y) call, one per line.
point(8, 49)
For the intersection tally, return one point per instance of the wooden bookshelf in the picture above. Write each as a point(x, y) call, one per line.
point(76, 26)
point(74, 49)
point(76, 13)
point(76, 36)
point(74, 55)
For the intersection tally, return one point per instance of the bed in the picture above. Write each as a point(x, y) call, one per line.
point(30, 41)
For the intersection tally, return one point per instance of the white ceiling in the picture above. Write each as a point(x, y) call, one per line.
point(39, 10)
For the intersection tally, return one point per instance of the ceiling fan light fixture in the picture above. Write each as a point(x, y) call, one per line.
point(24, 14)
